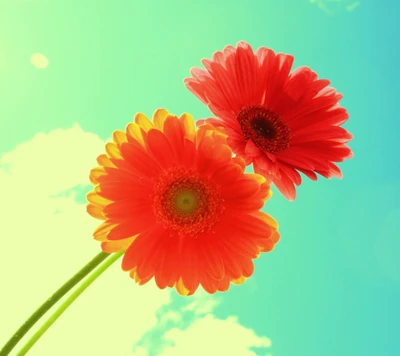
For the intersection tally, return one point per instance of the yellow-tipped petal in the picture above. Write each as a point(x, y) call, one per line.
point(180, 288)
point(204, 133)
point(267, 218)
point(240, 280)
point(97, 200)
point(133, 275)
point(92, 180)
point(188, 125)
point(103, 160)
point(97, 172)
point(117, 245)
point(100, 234)
point(240, 162)
point(269, 195)
point(159, 117)
point(257, 177)
point(113, 150)
point(119, 137)
point(133, 130)
point(95, 211)
point(143, 121)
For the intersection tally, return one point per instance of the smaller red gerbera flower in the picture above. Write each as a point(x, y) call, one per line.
point(179, 205)
point(280, 121)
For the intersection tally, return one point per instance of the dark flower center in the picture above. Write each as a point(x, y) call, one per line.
point(265, 128)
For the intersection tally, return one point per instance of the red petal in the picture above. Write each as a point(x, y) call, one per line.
point(309, 174)
point(197, 88)
point(286, 187)
point(231, 262)
point(247, 267)
point(279, 72)
point(224, 284)
point(251, 149)
point(241, 188)
point(228, 97)
point(227, 173)
point(166, 273)
point(130, 209)
point(140, 222)
point(331, 133)
point(189, 153)
point(210, 156)
point(190, 264)
point(292, 174)
point(208, 283)
point(146, 269)
point(175, 135)
point(142, 247)
point(212, 260)
point(240, 245)
point(246, 72)
point(140, 161)
point(160, 148)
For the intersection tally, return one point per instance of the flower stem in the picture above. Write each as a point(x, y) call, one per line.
point(75, 294)
point(18, 335)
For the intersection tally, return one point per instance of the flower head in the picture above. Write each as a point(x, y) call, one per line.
point(179, 205)
point(280, 121)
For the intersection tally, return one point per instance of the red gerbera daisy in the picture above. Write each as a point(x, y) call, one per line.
point(179, 205)
point(284, 123)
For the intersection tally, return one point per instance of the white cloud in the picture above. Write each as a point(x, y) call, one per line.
point(54, 162)
point(140, 351)
point(202, 304)
point(200, 332)
point(47, 236)
point(211, 336)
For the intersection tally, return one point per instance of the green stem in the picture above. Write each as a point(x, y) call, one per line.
point(75, 294)
point(18, 335)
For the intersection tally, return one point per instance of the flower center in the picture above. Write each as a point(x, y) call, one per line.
point(265, 128)
point(186, 202)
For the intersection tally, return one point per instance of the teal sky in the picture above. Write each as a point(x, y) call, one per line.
point(332, 285)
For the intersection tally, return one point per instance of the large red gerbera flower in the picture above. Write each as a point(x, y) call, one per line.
point(180, 205)
point(284, 123)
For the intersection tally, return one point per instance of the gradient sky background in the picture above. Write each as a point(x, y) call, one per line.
point(332, 285)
